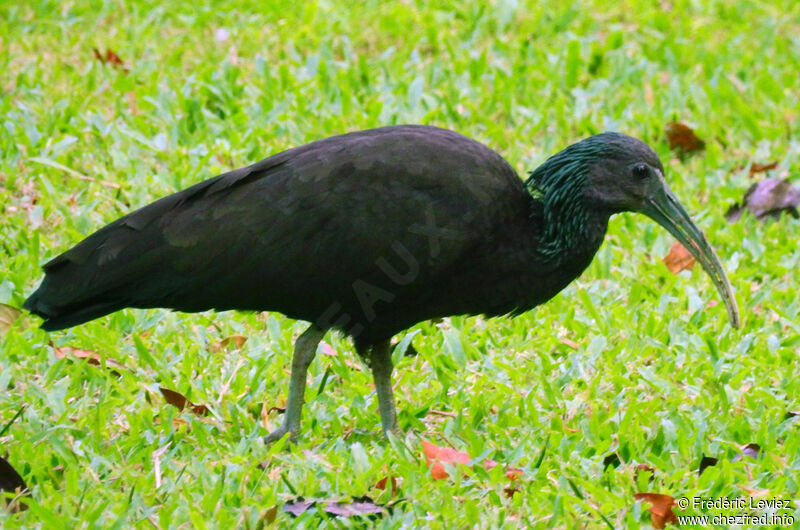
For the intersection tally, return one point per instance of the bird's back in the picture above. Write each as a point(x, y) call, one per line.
point(366, 230)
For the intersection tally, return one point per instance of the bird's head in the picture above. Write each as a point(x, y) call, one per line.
point(611, 173)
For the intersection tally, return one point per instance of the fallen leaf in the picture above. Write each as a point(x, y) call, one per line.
point(357, 507)
point(391, 481)
point(91, 357)
point(760, 168)
point(644, 468)
point(110, 57)
point(767, 198)
point(678, 259)
point(234, 341)
point(571, 343)
point(706, 461)
point(661, 508)
point(511, 491)
point(751, 450)
point(438, 456)
point(611, 460)
point(11, 481)
point(681, 136)
point(755, 493)
point(8, 315)
point(298, 507)
point(270, 515)
point(178, 400)
point(792, 414)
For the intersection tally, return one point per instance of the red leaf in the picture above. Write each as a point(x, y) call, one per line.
point(661, 510)
point(678, 259)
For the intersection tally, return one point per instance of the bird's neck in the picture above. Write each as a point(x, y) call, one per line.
point(570, 229)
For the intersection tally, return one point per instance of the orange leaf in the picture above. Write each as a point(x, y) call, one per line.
point(682, 136)
point(176, 399)
point(678, 259)
point(661, 510)
point(438, 456)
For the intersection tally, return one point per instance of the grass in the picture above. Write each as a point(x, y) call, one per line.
point(629, 359)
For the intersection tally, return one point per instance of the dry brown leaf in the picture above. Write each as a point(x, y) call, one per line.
point(8, 315)
point(661, 508)
point(760, 168)
point(178, 400)
point(111, 58)
point(681, 136)
point(644, 468)
point(751, 450)
point(270, 515)
point(388, 480)
point(768, 198)
point(234, 341)
point(359, 506)
point(706, 461)
point(91, 357)
point(678, 259)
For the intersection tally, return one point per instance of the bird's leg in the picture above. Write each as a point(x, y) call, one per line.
point(381, 364)
point(305, 348)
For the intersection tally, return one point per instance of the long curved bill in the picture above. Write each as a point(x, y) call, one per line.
point(664, 208)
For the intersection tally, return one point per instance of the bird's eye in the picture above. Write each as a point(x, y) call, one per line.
point(640, 171)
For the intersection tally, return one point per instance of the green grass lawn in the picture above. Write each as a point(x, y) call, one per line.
point(630, 360)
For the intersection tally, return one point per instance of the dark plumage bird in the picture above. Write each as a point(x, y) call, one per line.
point(370, 233)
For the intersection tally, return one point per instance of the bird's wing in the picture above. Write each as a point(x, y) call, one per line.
point(296, 232)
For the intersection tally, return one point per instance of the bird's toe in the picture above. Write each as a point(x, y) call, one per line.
point(279, 433)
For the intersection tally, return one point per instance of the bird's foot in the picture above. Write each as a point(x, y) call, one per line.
point(395, 431)
point(279, 433)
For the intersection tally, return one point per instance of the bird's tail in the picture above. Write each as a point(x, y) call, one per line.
point(58, 315)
